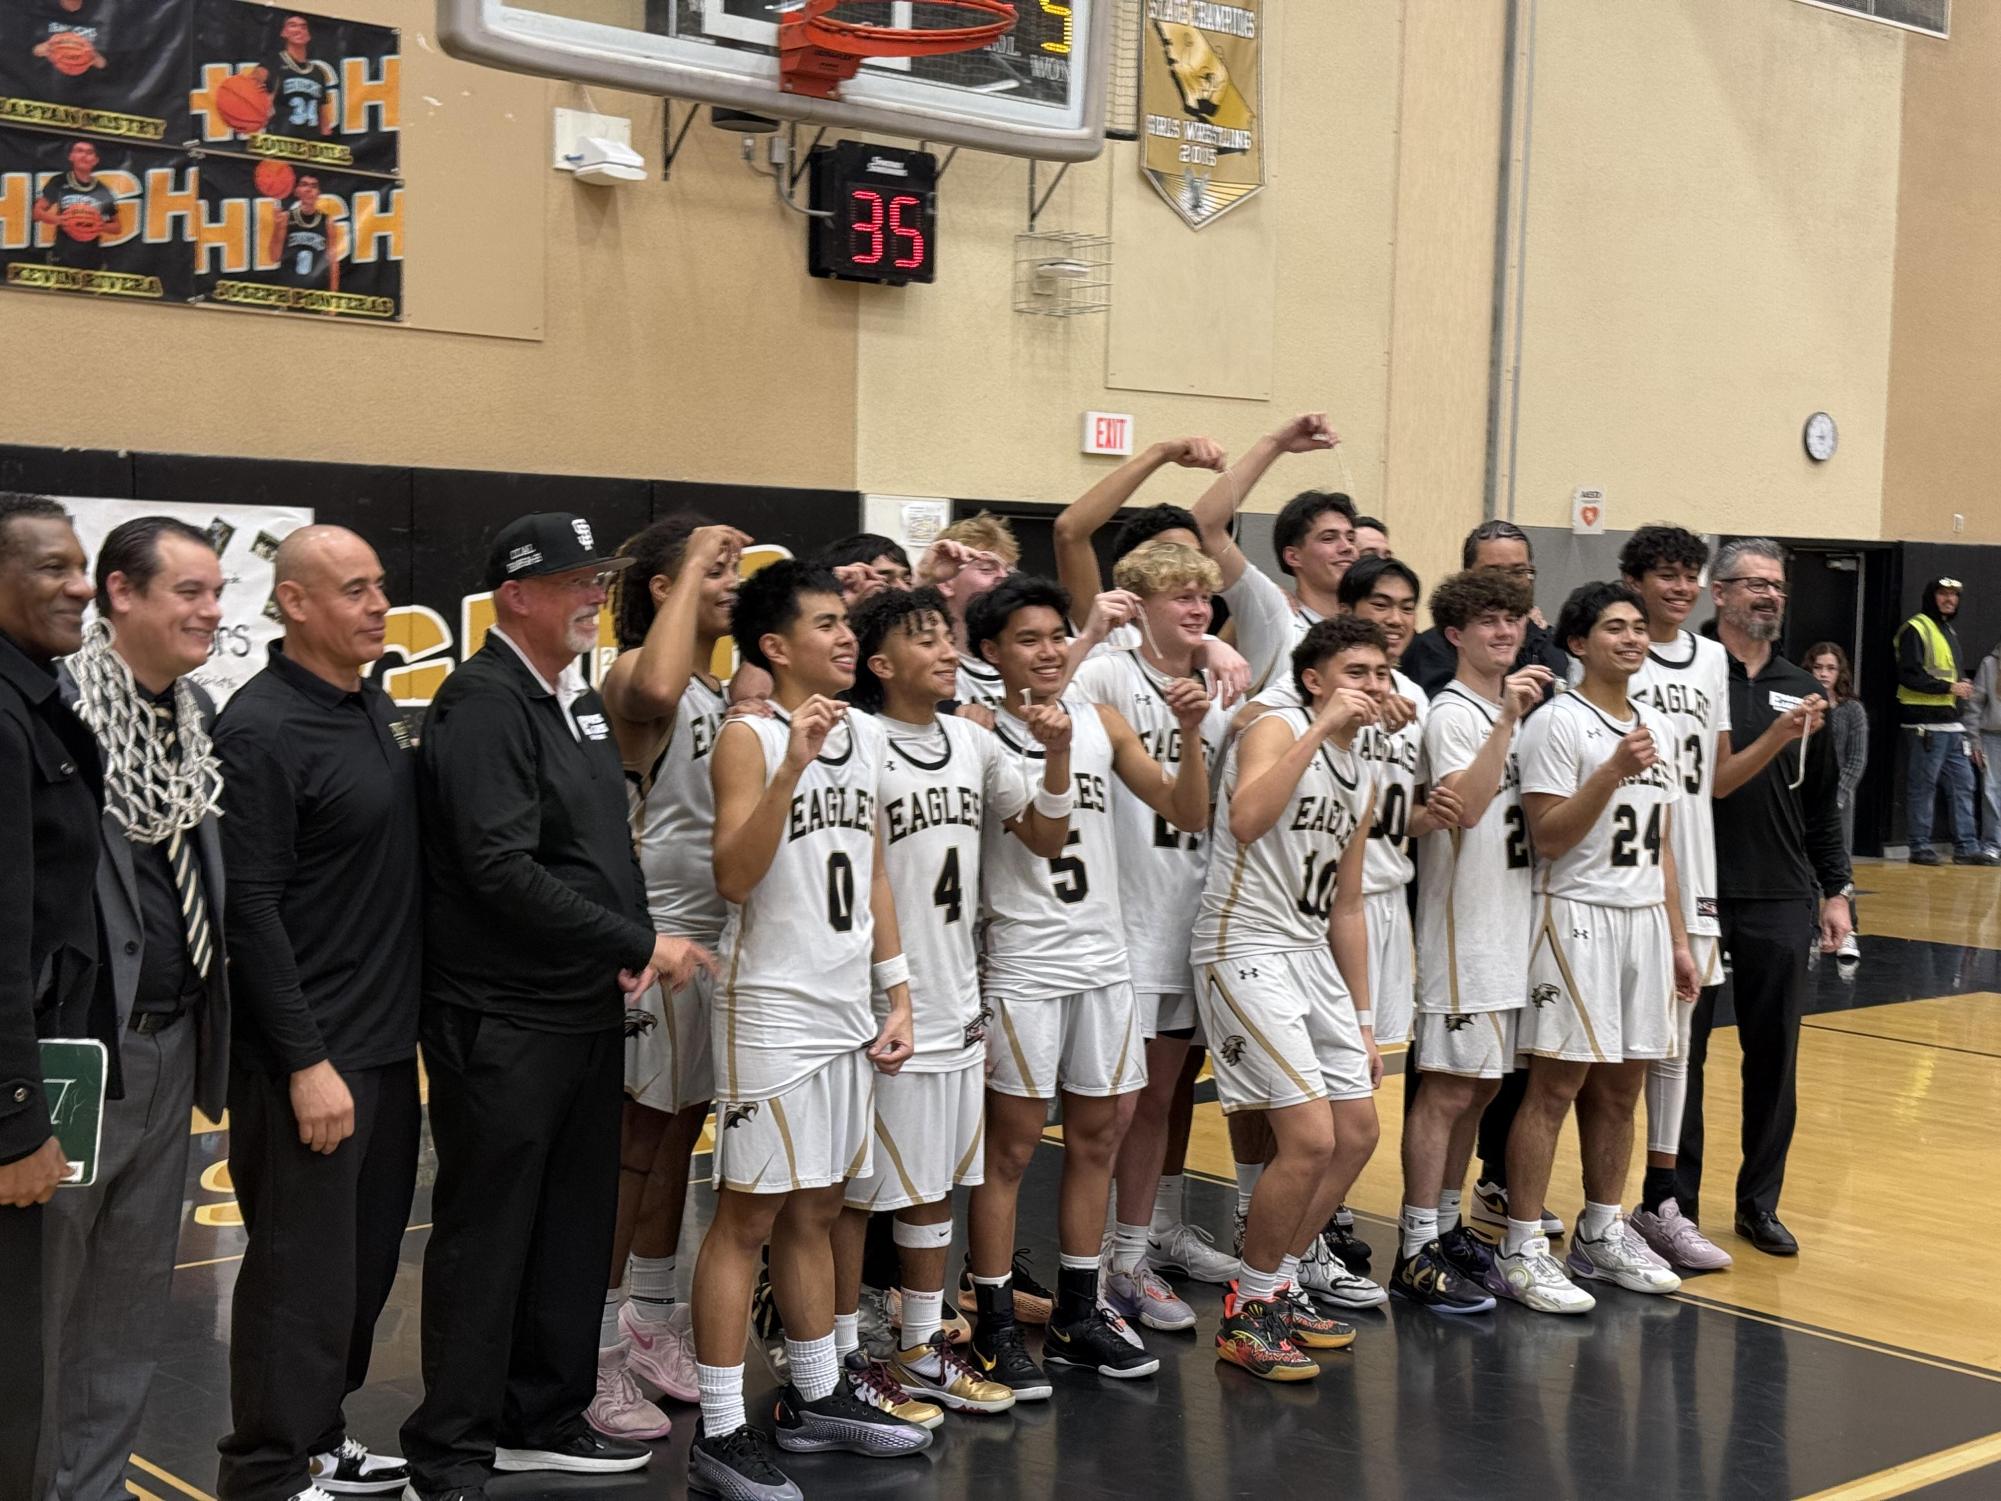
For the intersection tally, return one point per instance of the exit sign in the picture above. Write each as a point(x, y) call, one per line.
point(1109, 433)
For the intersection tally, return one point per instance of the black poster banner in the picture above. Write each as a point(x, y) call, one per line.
point(299, 87)
point(103, 217)
point(97, 67)
point(298, 238)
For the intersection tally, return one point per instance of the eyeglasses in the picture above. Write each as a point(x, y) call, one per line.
point(1758, 586)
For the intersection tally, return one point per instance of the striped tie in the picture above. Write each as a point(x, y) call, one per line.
point(187, 872)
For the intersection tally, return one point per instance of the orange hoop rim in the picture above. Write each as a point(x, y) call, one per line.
point(860, 39)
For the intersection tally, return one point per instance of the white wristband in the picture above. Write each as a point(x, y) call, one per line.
point(890, 972)
point(1055, 804)
point(1366, 1019)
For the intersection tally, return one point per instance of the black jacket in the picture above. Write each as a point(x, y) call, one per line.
point(533, 897)
point(1775, 841)
point(1914, 667)
point(51, 798)
point(1430, 661)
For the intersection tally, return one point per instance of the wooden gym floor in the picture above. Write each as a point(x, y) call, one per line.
point(1868, 1367)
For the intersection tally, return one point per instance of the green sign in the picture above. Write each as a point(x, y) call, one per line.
point(73, 1075)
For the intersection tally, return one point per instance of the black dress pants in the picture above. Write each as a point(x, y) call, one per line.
point(1769, 943)
point(525, 1124)
point(21, 1347)
point(325, 1233)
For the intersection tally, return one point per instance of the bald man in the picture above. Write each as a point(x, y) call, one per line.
point(321, 844)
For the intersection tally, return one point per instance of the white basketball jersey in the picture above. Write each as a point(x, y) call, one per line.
point(1160, 866)
point(1053, 926)
point(1618, 861)
point(1270, 623)
point(1393, 762)
point(1276, 893)
point(795, 957)
point(978, 683)
point(1688, 682)
point(939, 781)
point(1476, 899)
point(673, 808)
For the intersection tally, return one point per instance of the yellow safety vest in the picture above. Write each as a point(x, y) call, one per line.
point(1938, 662)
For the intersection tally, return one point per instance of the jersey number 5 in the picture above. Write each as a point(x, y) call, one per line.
point(1071, 883)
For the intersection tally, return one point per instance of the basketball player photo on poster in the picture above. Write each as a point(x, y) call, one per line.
point(97, 67)
point(101, 217)
point(301, 239)
point(1201, 98)
point(304, 88)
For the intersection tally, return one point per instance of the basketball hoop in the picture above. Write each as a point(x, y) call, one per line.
point(817, 53)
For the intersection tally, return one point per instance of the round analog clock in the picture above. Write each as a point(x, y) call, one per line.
point(1820, 437)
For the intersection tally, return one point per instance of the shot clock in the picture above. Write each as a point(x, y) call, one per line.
point(881, 219)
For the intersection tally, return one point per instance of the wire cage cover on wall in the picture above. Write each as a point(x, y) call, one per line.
point(1058, 274)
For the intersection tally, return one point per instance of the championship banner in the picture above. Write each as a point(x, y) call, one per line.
point(305, 89)
point(301, 239)
point(246, 538)
point(1200, 93)
point(110, 218)
point(97, 67)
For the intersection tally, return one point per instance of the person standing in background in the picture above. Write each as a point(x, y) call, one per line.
point(51, 799)
point(1931, 695)
point(1983, 724)
point(1849, 724)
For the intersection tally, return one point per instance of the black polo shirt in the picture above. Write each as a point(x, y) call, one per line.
point(533, 897)
point(320, 837)
point(1775, 841)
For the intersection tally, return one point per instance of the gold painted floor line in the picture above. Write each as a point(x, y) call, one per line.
point(1915, 1474)
point(174, 1480)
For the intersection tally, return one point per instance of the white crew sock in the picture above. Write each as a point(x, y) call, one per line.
point(1254, 1284)
point(1448, 1210)
point(816, 1369)
point(722, 1398)
point(1248, 1174)
point(847, 1334)
point(1420, 1228)
point(608, 1335)
point(1128, 1246)
point(1168, 1200)
point(1597, 1220)
point(1288, 1272)
point(923, 1316)
point(652, 1281)
point(1518, 1234)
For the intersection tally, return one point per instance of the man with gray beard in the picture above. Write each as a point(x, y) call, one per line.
point(1783, 872)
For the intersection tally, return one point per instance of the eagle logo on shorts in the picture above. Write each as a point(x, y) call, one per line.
point(1458, 1023)
point(976, 1029)
point(1233, 1048)
point(1544, 995)
point(639, 1022)
point(736, 1115)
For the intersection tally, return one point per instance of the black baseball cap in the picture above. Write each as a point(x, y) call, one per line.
point(542, 543)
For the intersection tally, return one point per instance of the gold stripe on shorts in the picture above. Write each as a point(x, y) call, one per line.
point(895, 1158)
point(1014, 1046)
point(785, 1136)
point(1569, 980)
point(1126, 1046)
point(1316, 1090)
point(973, 1151)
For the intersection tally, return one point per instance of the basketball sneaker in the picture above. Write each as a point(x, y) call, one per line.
point(1101, 1341)
point(1534, 1278)
point(1619, 1257)
point(1339, 1234)
point(662, 1356)
point(999, 1356)
point(738, 1465)
point(1189, 1250)
point(1033, 1303)
point(1472, 1257)
point(768, 1328)
point(874, 1324)
point(1310, 1328)
point(1143, 1296)
point(1490, 1207)
point(843, 1420)
point(873, 1382)
point(1324, 1275)
point(938, 1373)
point(618, 1410)
point(351, 1470)
point(1237, 1221)
point(1676, 1240)
point(1258, 1337)
point(1430, 1281)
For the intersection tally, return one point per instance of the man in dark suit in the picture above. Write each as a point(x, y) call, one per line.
point(109, 1248)
point(50, 797)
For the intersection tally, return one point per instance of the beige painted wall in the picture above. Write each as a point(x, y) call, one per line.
point(1945, 404)
point(1712, 218)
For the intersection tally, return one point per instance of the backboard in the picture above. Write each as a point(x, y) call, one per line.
point(1039, 91)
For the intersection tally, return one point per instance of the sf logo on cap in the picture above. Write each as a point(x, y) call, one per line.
point(583, 530)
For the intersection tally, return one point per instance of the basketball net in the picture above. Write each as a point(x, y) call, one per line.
point(152, 792)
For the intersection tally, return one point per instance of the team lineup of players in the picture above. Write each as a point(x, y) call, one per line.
point(959, 861)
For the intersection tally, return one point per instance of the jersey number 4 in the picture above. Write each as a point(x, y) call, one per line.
point(1627, 841)
point(950, 893)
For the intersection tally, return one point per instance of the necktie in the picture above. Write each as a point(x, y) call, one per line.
point(187, 870)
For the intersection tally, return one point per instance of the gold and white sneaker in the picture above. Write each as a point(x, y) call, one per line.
point(871, 1382)
point(940, 1374)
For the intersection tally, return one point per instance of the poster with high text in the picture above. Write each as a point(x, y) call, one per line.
point(302, 88)
point(105, 218)
point(289, 237)
point(117, 68)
